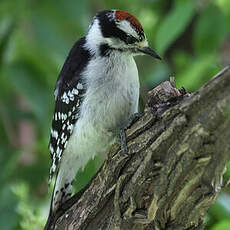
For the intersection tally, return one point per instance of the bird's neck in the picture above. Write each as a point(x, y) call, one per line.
point(94, 38)
point(114, 67)
point(99, 45)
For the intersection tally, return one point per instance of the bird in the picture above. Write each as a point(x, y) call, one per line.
point(96, 95)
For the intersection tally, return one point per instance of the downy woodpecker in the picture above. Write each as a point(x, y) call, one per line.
point(96, 93)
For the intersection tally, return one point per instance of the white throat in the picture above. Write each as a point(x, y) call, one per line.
point(94, 37)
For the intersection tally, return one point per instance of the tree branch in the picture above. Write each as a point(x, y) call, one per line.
point(172, 173)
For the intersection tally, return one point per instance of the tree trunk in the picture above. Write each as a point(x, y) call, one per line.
point(172, 172)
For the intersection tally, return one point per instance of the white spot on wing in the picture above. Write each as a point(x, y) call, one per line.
point(54, 133)
point(70, 127)
point(65, 144)
point(51, 149)
point(79, 86)
point(75, 91)
point(53, 167)
point(59, 153)
point(64, 140)
point(63, 117)
point(56, 93)
point(71, 96)
point(65, 98)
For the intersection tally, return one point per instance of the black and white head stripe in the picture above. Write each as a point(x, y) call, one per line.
point(110, 21)
point(68, 96)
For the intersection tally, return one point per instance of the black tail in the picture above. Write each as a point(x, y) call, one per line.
point(50, 223)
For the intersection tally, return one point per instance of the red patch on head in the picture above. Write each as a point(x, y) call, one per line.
point(122, 15)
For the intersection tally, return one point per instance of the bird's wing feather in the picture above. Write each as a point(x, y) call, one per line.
point(68, 97)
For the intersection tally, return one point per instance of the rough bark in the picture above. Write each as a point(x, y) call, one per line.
point(172, 173)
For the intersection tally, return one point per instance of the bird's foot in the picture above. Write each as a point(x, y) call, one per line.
point(133, 118)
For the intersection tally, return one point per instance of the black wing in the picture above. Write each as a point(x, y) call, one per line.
point(68, 96)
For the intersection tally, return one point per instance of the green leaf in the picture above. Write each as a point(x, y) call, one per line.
point(221, 210)
point(25, 83)
point(223, 225)
point(6, 29)
point(197, 72)
point(174, 24)
point(8, 163)
point(8, 204)
point(210, 30)
point(83, 177)
point(224, 6)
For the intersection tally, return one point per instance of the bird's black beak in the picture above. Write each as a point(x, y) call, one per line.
point(149, 51)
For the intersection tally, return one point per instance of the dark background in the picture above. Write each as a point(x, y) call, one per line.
point(35, 37)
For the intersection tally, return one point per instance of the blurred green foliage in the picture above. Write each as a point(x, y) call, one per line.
point(35, 37)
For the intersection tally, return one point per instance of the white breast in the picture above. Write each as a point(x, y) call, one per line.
point(111, 98)
point(113, 90)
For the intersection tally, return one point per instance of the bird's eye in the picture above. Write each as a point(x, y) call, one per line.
point(130, 39)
